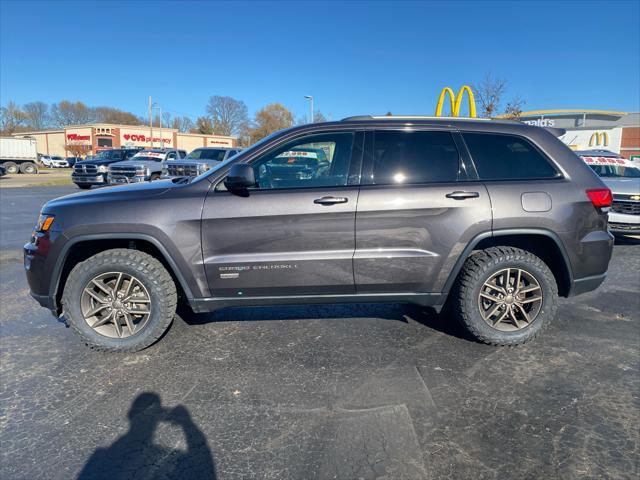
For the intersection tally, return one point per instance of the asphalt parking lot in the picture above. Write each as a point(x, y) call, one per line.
point(347, 392)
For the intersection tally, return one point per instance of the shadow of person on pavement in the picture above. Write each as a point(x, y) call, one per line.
point(135, 455)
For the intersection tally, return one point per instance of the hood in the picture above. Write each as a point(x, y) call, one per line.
point(622, 186)
point(192, 161)
point(109, 194)
point(97, 162)
point(133, 163)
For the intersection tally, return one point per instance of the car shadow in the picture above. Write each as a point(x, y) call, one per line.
point(406, 313)
point(135, 454)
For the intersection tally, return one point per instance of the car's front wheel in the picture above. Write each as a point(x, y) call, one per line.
point(119, 300)
point(84, 186)
point(505, 296)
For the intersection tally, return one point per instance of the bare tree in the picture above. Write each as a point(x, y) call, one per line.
point(204, 126)
point(11, 118)
point(77, 149)
point(71, 113)
point(513, 109)
point(166, 119)
point(115, 115)
point(183, 124)
point(317, 118)
point(227, 114)
point(489, 93)
point(36, 114)
point(271, 118)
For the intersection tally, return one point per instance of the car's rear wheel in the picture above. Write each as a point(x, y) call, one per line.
point(505, 296)
point(11, 167)
point(28, 167)
point(154, 177)
point(119, 300)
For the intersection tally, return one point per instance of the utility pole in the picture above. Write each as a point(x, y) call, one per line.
point(310, 97)
point(150, 121)
point(161, 143)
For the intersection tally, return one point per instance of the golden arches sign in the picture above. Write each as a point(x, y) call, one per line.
point(456, 101)
point(599, 139)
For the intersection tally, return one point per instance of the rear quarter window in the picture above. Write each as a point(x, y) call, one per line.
point(507, 157)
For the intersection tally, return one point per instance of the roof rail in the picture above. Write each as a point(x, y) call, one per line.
point(411, 117)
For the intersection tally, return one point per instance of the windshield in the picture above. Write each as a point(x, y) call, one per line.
point(207, 154)
point(616, 171)
point(145, 158)
point(107, 154)
point(612, 167)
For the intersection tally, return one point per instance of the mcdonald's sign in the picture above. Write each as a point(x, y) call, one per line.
point(599, 139)
point(455, 101)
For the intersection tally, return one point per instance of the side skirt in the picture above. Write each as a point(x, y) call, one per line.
point(201, 305)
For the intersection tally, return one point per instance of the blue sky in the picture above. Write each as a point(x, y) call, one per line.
point(354, 58)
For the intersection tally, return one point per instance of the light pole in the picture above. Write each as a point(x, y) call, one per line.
point(310, 97)
point(151, 107)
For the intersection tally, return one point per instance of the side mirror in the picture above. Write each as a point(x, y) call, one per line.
point(240, 177)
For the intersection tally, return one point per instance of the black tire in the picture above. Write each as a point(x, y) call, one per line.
point(148, 270)
point(477, 269)
point(154, 177)
point(83, 186)
point(28, 167)
point(11, 168)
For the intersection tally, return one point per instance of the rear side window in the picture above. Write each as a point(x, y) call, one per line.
point(507, 157)
point(413, 158)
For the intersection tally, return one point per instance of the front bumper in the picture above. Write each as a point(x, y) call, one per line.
point(99, 179)
point(36, 270)
point(124, 180)
point(622, 223)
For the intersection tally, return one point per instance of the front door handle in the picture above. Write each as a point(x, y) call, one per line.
point(330, 200)
point(462, 195)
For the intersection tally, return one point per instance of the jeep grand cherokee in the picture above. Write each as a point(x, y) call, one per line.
point(494, 219)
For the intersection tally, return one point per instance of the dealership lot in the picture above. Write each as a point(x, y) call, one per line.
point(343, 391)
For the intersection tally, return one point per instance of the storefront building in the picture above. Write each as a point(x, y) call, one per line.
point(89, 139)
point(618, 132)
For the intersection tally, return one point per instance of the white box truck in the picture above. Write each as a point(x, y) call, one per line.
point(19, 155)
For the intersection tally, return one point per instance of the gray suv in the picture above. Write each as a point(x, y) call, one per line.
point(493, 220)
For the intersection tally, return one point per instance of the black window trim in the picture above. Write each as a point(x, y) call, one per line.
point(355, 162)
point(559, 173)
point(465, 173)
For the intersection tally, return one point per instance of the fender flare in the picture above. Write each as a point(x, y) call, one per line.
point(64, 253)
point(503, 233)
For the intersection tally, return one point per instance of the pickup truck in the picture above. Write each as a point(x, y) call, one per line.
point(94, 171)
point(197, 162)
point(143, 166)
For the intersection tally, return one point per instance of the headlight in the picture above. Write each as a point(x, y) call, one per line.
point(203, 167)
point(103, 169)
point(44, 222)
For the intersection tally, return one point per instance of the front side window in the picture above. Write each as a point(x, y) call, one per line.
point(313, 161)
point(507, 157)
point(402, 157)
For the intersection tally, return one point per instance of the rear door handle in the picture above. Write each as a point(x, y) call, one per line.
point(462, 195)
point(330, 200)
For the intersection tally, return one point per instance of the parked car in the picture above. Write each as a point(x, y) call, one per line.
point(495, 219)
point(94, 171)
point(59, 162)
point(145, 165)
point(45, 160)
point(18, 155)
point(623, 178)
point(197, 162)
point(73, 160)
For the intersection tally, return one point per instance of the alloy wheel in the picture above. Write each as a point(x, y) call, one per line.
point(510, 299)
point(116, 304)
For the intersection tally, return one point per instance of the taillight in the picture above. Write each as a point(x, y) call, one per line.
point(600, 197)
